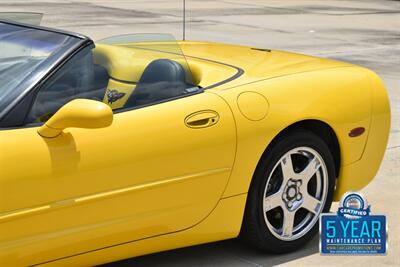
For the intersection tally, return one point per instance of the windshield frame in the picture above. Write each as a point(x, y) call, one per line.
point(33, 81)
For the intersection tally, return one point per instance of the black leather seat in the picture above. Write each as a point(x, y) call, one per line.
point(161, 79)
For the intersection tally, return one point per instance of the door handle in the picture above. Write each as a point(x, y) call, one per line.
point(202, 119)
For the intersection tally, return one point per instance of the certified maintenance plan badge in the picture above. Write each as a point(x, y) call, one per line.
point(353, 230)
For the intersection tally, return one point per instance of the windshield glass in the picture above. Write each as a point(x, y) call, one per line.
point(26, 54)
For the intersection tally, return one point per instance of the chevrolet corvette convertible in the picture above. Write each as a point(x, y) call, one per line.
point(139, 143)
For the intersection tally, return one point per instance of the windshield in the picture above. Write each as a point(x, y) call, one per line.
point(26, 54)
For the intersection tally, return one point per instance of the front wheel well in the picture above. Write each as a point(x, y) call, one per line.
point(322, 130)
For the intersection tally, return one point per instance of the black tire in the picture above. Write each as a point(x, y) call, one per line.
point(254, 228)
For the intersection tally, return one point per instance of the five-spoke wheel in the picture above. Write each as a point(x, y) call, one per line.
point(295, 193)
point(291, 187)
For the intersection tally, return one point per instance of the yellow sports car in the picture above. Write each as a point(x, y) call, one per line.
point(139, 143)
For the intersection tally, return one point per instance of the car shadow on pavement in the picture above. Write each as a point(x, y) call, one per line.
point(224, 253)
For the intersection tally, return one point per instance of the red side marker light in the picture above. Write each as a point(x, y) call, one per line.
point(356, 131)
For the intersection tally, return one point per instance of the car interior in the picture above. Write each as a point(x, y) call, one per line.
point(123, 80)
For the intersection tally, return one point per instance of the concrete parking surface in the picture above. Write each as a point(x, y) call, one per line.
point(362, 32)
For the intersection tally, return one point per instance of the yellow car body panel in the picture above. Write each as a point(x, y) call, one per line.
point(149, 182)
point(105, 186)
point(325, 104)
point(223, 223)
point(257, 64)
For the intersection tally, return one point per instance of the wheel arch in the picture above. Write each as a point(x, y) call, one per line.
point(319, 128)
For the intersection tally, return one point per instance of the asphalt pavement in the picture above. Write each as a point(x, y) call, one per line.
point(361, 32)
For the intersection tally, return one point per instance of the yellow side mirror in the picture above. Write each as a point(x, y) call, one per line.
point(78, 113)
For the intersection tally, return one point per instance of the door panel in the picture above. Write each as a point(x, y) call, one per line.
point(145, 175)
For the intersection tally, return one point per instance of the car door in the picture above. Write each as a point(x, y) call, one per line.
point(157, 169)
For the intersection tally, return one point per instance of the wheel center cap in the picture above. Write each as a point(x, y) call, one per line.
point(291, 192)
point(292, 195)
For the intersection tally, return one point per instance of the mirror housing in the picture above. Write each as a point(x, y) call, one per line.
point(78, 113)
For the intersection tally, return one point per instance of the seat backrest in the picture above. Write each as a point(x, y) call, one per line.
point(163, 70)
point(161, 79)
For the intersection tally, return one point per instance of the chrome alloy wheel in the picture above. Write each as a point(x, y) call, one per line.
point(295, 193)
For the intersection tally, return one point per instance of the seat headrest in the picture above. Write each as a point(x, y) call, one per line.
point(163, 70)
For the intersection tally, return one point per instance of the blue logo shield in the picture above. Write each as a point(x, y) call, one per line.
point(353, 230)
